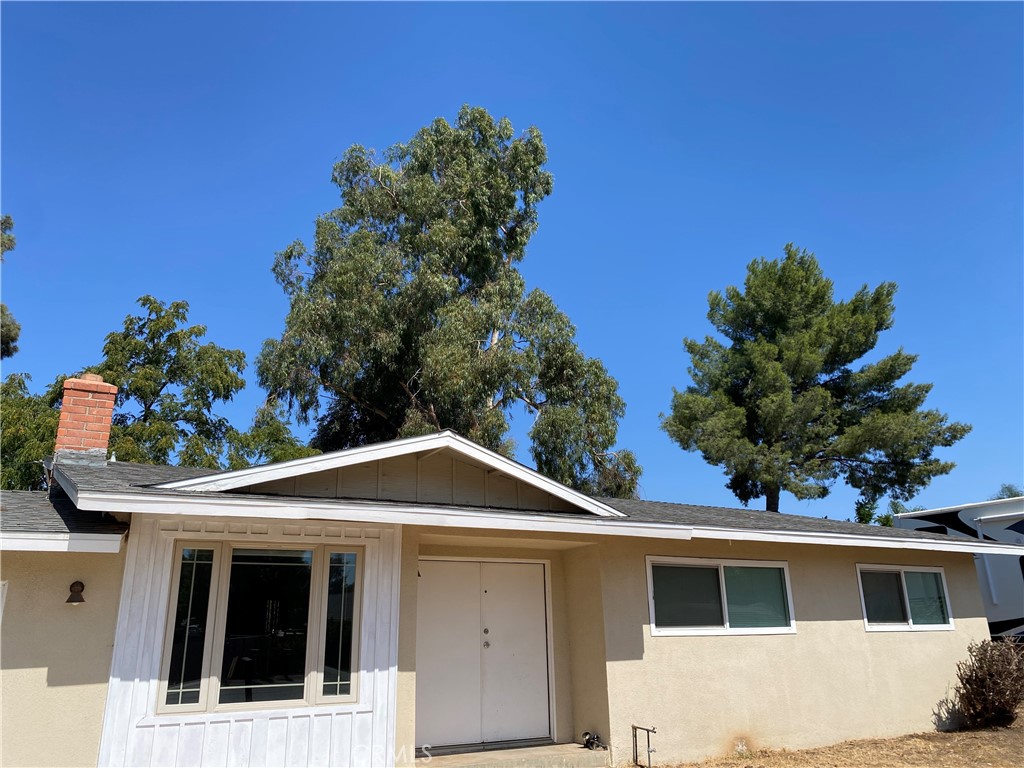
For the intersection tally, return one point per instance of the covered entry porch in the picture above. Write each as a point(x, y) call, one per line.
point(501, 648)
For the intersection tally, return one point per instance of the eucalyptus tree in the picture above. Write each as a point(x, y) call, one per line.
point(408, 313)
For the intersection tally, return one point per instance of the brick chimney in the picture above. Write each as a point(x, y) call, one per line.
point(85, 414)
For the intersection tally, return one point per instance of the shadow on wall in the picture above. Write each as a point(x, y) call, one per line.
point(946, 715)
point(72, 642)
point(823, 582)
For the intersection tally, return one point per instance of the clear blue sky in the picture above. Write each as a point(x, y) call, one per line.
point(171, 149)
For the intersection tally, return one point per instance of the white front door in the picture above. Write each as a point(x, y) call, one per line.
point(481, 653)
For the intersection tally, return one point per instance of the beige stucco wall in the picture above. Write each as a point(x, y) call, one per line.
point(830, 681)
point(405, 695)
point(54, 657)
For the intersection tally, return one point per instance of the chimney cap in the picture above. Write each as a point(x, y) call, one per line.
point(91, 377)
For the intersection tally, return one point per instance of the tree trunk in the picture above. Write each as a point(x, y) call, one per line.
point(771, 498)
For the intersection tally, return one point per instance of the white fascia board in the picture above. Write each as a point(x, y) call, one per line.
point(960, 507)
point(109, 543)
point(228, 481)
point(289, 508)
point(853, 540)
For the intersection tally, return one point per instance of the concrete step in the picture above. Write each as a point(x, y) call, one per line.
point(550, 756)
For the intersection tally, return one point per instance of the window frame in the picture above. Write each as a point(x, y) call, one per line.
point(908, 625)
point(720, 565)
point(213, 646)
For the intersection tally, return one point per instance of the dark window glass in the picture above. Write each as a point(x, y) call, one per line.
point(927, 597)
point(756, 597)
point(189, 632)
point(883, 597)
point(686, 596)
point(341, 594)
point(266, 626)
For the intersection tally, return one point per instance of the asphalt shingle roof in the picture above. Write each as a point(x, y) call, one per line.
point(120, 476)
point(139, 478)
point(747, 519)
point(40, 512)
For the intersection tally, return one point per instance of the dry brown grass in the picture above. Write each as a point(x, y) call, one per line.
point(994, 748)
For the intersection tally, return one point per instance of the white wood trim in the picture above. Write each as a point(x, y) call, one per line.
point(317, 663)
point(854, 540)
point(285, 508)
point(719, 564)
point(210, 619)
point(389, 513)
point(226, 481)
point(109, 543)
point(909, 625)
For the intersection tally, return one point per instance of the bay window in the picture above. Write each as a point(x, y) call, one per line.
point(260, 626)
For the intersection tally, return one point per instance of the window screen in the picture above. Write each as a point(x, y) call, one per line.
point(756, 597)
point(927, 597)
point(686, 596)
point(883, 597)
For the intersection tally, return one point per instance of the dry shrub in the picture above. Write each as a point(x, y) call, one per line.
point(991, 686)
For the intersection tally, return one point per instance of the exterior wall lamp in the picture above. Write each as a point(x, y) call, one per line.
point(76, 588)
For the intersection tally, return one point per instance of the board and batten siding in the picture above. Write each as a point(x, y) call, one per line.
point(355, 734)
point(434, 478)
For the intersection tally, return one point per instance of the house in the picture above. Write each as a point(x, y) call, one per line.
point(426, 593)
point(1001, 576)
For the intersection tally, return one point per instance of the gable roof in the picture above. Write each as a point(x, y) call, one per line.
point(143, 488)
point(445, 440)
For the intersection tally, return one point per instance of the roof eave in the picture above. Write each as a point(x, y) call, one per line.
point(392, 513)
point(964, 546)
point(40, 541)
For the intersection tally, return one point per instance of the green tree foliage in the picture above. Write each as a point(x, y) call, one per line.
point(268, 441)
point(10, 329)
point(1008, 491)
point(779, 405)
point(409, 315)
point(28, 427)
point(866, 511)
point(168, 385)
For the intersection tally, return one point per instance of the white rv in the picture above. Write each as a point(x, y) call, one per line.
point(1001, 576)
